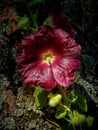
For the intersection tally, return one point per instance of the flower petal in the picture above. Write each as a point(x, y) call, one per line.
point(32, 45)
point(39, 74)
point(63, 71)
point(73, 52)
point(25, 55)
point(64, 38)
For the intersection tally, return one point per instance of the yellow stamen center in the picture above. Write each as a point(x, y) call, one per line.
point(48, 58)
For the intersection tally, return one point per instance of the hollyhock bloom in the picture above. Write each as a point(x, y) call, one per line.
point(49, 58)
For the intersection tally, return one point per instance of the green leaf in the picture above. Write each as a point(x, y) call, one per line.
point(22, 22)
point(89, 120)
point(34, 2)
point(72, 97)
point(55, 100)
point(77, 118)
point(60, 113)
point(47, 21)
point(40, 95)
point(76, 77)
point(81, 102)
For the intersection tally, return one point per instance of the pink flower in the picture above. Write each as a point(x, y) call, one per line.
point(49, 57)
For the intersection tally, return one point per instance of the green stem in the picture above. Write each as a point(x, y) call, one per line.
point(34, 20)
point(66, 108)
point(62, 93)
point(67, 120)
point(32, 16)
point(74, 127)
